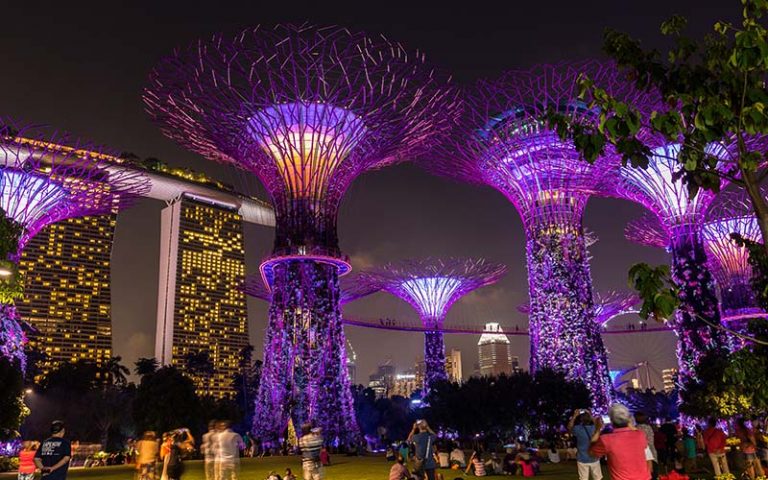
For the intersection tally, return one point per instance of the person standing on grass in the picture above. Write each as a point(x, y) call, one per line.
point(424, 440)
point(624, 447)
point(52, 458)
point(27, 467)
point(208, 449)
point(146, 456)
point(714, 442)
point(652, 457)
point(228, 445)
point(311, 442)
point(748, 447)
point(582, 427)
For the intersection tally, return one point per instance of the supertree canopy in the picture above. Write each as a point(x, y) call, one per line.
point(432, 286)
point(507, 144)
point(46, 177)
point(729, 262)
point(678, 218)
point(305, 109)
point(608, 305)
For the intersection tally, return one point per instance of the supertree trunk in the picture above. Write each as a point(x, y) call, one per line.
point(304, 375)
point(336, 408)
point(698, 304)
point(434, 358)
point(564, 334)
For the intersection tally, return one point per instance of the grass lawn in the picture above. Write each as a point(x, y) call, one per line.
point(344, 468)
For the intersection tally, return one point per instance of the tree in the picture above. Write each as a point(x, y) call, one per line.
point(166, 400)
point(109, 408)
point(114, 372)
point(710, 91)
point(199, 365)
point(12, 409)
point(146, 366)
point(246, 385)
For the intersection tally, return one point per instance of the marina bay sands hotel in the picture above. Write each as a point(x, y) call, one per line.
point(66, 269)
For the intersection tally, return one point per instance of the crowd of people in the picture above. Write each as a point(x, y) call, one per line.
point(634, 449)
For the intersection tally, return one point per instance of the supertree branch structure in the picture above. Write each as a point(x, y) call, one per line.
point(306, 110)
point(612, 304)
point(729, 262)
point(505, 142)
point(679, 219)
point(46, 177)
point(608, 305)
point(432, 286)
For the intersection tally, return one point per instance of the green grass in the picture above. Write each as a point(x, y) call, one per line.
point(344, 468)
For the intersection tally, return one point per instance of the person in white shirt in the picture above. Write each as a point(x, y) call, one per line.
point(457, 455)
point(228, 447)
point(208, 449)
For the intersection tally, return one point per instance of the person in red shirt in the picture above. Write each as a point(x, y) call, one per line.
point(27, 467)
point(624, 447)
point(714, 441)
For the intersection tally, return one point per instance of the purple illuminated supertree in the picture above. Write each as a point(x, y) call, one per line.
point(46, 177)
point(506, 144)
point(432, 286)
point(305, 109)
point(608, 305)
point(729, 262)
point(676, 223)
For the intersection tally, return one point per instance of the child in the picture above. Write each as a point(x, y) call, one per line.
point(273, 476)
point(289, 475)
point(476, 463)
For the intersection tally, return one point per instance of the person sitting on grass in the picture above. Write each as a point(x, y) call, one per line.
point(273, 476)
point(289, 475)
point(476, 464)
point(399, 471)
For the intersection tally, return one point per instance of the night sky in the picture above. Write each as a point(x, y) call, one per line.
point(81, 66)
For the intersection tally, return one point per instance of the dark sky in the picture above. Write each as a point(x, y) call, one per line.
point(81, 66)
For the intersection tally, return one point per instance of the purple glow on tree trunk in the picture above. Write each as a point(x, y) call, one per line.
point(698, 300)
point(434, 358)
point(304, 375)
point(564, 334)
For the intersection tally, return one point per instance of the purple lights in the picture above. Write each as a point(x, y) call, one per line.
point(549, 184)
point(46, 177)
point(431, 286)
point(729, 262)
point(306, 110)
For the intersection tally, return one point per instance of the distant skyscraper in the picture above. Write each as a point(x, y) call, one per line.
point(383, 380)
point(200, 307)
point(453, 366)
point(495, 351)
point(405, 384)
point(669, 378)
point(67, 290)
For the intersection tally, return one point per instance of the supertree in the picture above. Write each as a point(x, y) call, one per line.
point(306, 110)
point(45, 177)
point(506, 143)
point(729, 262)
point(432, 286)
point(608, 305)
point(676, 223)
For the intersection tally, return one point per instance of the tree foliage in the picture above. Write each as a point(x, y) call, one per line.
point(507, 404)
point(12, 409)
point(166, 400)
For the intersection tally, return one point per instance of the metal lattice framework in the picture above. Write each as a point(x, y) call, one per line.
point(648, 231)
point(431, 287)
point(47, 176)
point(352, 287)
point(612, 304)
point(305, 109)
point(678, 228)
point(505, 143)
point(728, 261)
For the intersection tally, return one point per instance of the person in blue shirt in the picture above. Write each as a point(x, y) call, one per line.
point(52, 458)
point(423, 439)
point(582, 427)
